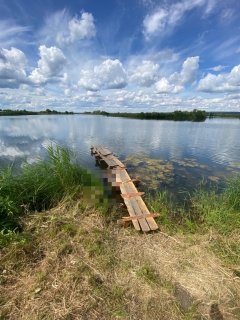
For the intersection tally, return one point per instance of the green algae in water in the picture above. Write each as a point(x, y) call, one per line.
point(189, 163)
point(152, 172)
point(179, 177)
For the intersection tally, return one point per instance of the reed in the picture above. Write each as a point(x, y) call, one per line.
point(206, 209)
point(43, 185)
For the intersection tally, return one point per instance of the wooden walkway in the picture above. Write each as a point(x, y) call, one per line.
point(139, 214)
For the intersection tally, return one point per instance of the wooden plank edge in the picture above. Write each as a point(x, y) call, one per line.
point(132, 194)
point(144, 216)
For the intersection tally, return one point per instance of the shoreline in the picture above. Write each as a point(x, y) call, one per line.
point(194, 116)
point(69, 254)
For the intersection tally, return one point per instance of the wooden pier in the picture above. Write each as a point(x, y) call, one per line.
point(139, 214)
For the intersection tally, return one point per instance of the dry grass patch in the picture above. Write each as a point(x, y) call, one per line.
point(76, 264)
point(188, 263)
point(70, 267)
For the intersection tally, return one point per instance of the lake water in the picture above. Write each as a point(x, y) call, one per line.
point(176, 156)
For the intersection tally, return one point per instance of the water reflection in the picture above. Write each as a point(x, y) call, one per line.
point(196, 150)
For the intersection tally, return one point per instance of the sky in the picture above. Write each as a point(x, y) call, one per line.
point(120, 55)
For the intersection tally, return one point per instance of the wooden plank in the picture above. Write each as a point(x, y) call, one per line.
point(124, 176)
point(118, 162)
point(150, 215)
point(112, 163)
point(131, 213)
point(140, 216)
point(132, 194)
point(115, 161)
point(151, 222)
point(143, 223)
point(104, 151)
point(131, 187)
point(118, 178)
point(108, 161)
point(134, 181)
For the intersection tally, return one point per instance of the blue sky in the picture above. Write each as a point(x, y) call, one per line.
point(120, 55)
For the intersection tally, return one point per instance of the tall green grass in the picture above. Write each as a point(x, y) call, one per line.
point(220, 211)
point(42, 185)
point(207, 209)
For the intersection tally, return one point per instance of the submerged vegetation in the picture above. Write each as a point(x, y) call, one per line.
point(195, 115)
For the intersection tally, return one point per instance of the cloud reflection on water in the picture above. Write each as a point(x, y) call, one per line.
point(214, 142)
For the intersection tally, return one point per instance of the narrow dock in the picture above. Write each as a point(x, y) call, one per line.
point(139, 214)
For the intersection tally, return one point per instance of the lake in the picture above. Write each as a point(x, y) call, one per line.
point(177, 156)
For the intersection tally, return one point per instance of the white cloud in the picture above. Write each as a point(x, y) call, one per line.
point(61, 28)
point(51, 63)
point(110, 74)
point(12, 68)
point(144, 74)
point(155, 22)
point(188, 73)
point(163, 86)
point(217, 68)
point(166, 18)
point(145, 99)
point(226, 82)
point(210, 5)
point(177, 80)
point(79, 28)
point(189, 70)
point(11, 152)
point(11, 33)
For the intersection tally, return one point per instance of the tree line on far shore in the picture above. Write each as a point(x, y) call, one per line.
point(195, 115)
point(9, 112)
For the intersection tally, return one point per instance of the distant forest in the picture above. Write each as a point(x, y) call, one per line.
point(195, 115)
point(9, 112)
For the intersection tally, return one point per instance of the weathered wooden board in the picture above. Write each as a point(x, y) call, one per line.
point(118, 176)
point(102, 150)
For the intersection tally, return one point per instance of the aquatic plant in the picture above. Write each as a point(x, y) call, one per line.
point(232, 193)
point(205, 209)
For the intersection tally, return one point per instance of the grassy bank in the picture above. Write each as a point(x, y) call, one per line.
point(71, 260)
point(205, 209)
point(208, 213)
point(40, 186)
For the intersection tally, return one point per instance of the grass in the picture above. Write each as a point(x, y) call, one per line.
point(147, 273)
point(72, 261)
point(40, 186)
point(208, 211)
point(73, 266)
